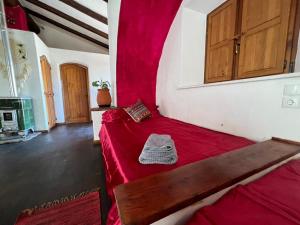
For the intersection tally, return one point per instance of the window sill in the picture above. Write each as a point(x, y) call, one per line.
point(266, 78)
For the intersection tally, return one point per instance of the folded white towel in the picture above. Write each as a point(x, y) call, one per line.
point(159, 149)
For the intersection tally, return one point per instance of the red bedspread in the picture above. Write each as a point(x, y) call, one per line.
point(271, 200)
point(123, 139)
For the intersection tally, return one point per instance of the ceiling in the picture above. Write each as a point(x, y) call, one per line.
point(84, 18)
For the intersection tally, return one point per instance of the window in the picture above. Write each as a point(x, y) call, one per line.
point(251, 38)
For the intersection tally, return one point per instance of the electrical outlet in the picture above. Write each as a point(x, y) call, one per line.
point(291, 102)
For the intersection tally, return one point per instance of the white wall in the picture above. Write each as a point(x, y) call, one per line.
point(192, 46)
point(98, 68)
point(251, 109)
point(113, 8)
point(4, 83)
point(42, 50)
point(55, 37)
point(32, 87)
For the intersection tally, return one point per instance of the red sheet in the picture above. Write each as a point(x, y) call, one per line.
point(271, 200)
point(122, 141)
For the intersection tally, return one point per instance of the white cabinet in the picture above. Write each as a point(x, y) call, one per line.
point(97, 122)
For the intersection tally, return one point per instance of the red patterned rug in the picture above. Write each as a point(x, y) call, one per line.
point(83, 209)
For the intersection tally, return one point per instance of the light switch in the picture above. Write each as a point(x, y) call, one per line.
point(291, 102)
point(292, 89)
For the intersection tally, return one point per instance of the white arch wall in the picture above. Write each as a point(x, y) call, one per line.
point(113, 9)
point(250, 108)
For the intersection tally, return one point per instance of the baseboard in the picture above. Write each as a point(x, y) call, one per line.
point(43, 131)
point(62, 123)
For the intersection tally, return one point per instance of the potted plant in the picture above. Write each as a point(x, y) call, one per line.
point(103, 96)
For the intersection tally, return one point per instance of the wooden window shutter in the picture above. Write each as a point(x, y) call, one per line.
point(264, 33)
point(220, 42)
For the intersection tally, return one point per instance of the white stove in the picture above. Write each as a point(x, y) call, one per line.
point(9, 120)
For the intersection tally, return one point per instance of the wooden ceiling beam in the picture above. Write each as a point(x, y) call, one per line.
point(67, 17)
point(85, 10)
point(55, 23)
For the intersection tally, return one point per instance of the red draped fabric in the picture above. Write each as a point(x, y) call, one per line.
point(16, 18)
point(143, 28)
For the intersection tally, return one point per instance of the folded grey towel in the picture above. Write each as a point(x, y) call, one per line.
point(159, 149)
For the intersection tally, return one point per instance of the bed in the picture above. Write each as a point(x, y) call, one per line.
point(122, 140)
point(273, 199)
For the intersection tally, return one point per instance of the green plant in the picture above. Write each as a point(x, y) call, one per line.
point(101, 84)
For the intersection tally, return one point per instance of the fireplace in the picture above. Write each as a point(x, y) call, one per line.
point(16, 114)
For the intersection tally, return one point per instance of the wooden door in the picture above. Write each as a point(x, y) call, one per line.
point(75, 91)
point(220, 42)
point(264, 34)
point(48, 91)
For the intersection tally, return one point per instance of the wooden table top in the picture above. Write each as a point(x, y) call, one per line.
point(95, 109)
point(149, 199)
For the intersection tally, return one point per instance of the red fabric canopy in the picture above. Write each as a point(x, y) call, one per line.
point(143, 28)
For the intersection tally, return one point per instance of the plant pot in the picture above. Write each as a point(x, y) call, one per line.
point(103, 97)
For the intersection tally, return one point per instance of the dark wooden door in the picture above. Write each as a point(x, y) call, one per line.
point(75, 93)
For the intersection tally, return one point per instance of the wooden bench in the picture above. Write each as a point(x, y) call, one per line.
point(149, 199)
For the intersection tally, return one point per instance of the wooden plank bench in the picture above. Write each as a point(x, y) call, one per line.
point(149, 199)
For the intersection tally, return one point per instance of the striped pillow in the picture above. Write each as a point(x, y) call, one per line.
point(138, 111)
